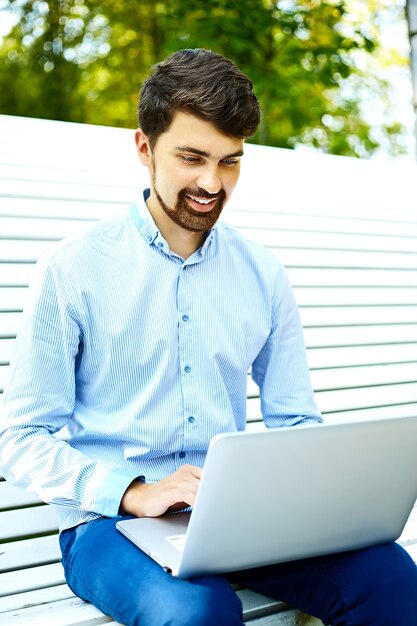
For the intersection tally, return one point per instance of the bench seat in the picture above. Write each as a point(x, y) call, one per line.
point(346, 231)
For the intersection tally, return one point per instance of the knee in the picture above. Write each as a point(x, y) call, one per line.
point(200, 605)
point(395, 585)
point(401, 574)
point(206, 614)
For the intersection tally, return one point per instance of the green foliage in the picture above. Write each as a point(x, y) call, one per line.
point(84, 60)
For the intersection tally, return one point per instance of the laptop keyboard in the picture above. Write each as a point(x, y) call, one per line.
point(177, 541)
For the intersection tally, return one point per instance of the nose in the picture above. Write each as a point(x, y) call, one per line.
point(209, 180)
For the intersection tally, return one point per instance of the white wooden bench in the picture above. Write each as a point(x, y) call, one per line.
point(345, 229)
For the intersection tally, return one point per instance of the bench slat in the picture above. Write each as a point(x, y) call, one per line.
point(340, 378)
point(360, 355)
point(12, 298)
point(26, 553)
point(6, 350)
point(15, 274)
point(10, 324)
point(364, 376)
point(69, 612)
point(361, 315)
point(13, 497)
point(17, 602)
point(349, 400)
point(73, 611)
point(30, 579)
point(257, 605)
point(349, 296)
point(289, 618)
point(27, 522)
point(51, 229)
point(405, 410)
point(343, 222)
point(360, 335)
point(64, 209)
point(330, 241)
point(24, 251)
point(56, 190)
point(325, 201)
point(70, 176)
point(331, 401)
point(313, 257)
point(361, 376)
point(4, 377)
point(345, 277)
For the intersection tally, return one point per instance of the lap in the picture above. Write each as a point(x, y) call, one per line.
point(376, 585)
point(373, 586)
point(104, 568)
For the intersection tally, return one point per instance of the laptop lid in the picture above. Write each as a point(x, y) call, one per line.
point(291, 493)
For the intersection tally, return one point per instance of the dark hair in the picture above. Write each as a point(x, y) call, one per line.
point(203, 83)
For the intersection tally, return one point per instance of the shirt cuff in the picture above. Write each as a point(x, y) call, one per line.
point(112, 489)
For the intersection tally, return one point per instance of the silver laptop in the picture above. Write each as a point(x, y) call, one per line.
point(286, 494)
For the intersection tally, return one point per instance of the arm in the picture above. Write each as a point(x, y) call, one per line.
point(39, 402)
point(280, 370)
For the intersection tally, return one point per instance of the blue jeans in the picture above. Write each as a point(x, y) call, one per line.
point(376, 586)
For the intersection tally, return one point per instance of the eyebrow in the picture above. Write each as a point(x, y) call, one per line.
point(207, 155)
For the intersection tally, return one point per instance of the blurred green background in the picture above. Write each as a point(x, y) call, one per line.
point(321, 69)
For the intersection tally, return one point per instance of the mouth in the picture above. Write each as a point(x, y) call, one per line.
point(200, 203)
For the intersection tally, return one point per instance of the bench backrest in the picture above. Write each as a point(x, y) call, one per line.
point(345, 229)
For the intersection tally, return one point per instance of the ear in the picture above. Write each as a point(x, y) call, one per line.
point(143, 147)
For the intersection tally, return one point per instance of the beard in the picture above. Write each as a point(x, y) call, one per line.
point(187, 217)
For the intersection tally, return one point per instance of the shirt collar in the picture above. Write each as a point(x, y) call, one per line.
point(147, 228)
point(143, 219)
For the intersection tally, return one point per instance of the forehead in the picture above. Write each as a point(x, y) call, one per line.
point(188, 130)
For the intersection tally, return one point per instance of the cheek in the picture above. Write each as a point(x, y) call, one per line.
point(230, 182)
point(176, 179)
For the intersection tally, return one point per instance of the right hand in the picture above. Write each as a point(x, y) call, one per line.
point(175, 492)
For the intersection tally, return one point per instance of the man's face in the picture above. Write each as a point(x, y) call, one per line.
point(194, 168)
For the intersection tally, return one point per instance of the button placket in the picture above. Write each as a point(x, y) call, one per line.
point(186, 353)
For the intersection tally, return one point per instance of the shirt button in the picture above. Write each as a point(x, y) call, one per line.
point(182, 455)
point(187, 369)
point(160, 244)
point(185, 318)
point(191, 419)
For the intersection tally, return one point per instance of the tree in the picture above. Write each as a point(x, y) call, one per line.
point(85, 60)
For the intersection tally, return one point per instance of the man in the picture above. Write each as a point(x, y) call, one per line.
point(138, 340)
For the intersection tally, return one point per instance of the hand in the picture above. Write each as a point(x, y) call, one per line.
point(175, 492)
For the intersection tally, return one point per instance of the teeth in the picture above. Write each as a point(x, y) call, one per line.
point(200, 200)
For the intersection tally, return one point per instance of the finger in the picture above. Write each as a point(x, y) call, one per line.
point(194, 470)
point(197, 472)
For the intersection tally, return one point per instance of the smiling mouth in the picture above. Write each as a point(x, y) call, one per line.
point(201, 204)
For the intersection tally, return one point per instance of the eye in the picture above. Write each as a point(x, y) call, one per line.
point(190, 159)
point(230, 162)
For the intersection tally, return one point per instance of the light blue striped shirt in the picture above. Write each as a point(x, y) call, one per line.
point(143, 357)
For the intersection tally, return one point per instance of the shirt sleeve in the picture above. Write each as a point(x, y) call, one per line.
point(39, 402)
point(281, 370)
